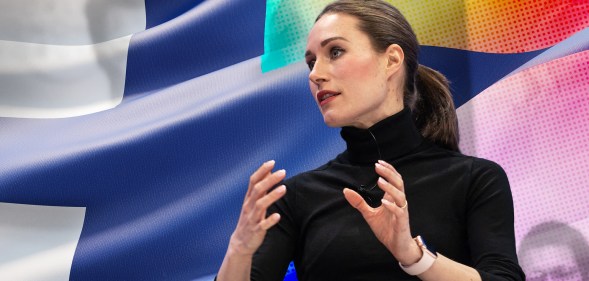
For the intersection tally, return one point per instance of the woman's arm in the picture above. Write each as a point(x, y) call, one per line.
point(447, 269)
point(390, 223)
point(253, 223)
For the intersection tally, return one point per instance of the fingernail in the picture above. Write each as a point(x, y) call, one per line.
point(381, 180)
point(384, 201)
point(281, 189)
point(281, 172)
point(270, 162)
point(378, 165)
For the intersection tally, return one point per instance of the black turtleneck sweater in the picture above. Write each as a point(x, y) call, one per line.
point(460, 205)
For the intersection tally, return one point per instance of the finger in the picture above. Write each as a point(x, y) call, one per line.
point(357, 201)
point(400, 213)
point(389, 166)
point(390, 174)
point(261, 188)
point(259, 174)
point(391, 192)
point(263, 203)
point(270, 221)
point(393, 185)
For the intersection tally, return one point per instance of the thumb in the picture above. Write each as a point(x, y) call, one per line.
point(356, 201)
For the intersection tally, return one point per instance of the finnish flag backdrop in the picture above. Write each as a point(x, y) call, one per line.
point(129, 128)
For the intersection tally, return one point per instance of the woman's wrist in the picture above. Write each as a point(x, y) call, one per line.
point(412, 255)
point(238, 249)
point(424, 263)
point(235, 266)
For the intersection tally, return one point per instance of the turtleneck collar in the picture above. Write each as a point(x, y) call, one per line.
point(395, 136)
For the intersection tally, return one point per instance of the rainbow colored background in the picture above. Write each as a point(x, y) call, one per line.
point(501, 27)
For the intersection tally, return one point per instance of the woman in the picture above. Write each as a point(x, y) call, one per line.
point(364, 215)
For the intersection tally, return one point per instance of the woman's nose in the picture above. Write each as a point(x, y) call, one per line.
point(317, 74)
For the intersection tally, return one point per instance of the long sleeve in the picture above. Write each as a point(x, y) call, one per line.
point(271, 260)
point(491, 224)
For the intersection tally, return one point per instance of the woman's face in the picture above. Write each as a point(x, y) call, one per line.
point(352, 83)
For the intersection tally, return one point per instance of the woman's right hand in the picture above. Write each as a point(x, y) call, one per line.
point(253, 223)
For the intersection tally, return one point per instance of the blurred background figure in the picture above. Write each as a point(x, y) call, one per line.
point(554, 251)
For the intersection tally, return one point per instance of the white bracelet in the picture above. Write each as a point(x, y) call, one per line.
point(427, 259)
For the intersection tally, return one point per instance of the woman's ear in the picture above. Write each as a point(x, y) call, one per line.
point(395, 59)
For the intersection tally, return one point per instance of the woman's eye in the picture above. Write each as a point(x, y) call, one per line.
point(336, 52)
point(311, 64)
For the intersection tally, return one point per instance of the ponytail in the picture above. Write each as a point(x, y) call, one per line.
point(433, 108)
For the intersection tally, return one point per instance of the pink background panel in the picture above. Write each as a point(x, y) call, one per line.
point(535, 124)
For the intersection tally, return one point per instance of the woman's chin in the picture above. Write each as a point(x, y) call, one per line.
point(330, 121)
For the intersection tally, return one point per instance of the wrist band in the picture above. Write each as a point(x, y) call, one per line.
point(427, 259)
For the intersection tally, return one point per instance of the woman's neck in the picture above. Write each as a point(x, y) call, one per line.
point(388, 139)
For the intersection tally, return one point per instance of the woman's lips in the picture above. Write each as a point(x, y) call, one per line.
point(325, 96)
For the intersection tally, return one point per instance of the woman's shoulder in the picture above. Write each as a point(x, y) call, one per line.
point(481, 166)
point(483, 178)
point(476, 171)
point(476, 163)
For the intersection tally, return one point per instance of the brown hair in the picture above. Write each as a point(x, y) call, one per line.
point(426, 92)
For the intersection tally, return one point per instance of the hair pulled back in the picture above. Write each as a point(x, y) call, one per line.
point(426, 91)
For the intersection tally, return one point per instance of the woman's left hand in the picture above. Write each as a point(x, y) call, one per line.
point(389, 221)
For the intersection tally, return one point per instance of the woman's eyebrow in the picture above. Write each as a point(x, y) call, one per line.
point(325, 42)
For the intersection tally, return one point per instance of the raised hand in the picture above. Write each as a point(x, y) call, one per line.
point(253, 223)
point(390, 221)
